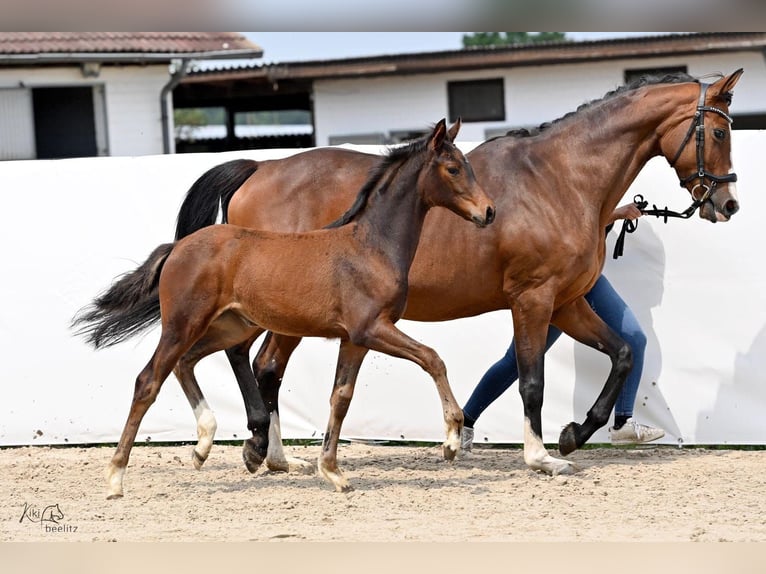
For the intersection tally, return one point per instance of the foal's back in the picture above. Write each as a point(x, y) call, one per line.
point(307, 284)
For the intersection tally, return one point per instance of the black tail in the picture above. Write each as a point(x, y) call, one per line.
point(130, 306)
point(214, 188)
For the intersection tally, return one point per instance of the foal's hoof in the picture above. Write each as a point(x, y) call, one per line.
point(449, 452)
point(115, 496)
point(197, 459)
point(568, 439)
point(253, 455)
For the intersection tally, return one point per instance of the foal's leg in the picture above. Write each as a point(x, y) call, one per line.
point(269, 367)
point(350, 359)
point(583, 324)
point(206, 423)
point(148, 383)
point(385, 337)
point(257, 417)
point(530, 323)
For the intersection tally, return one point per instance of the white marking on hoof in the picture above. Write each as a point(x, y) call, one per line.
point(451, 446)
point(114, 481)
point(335, 477)
point(206, 427)
point(537, 458)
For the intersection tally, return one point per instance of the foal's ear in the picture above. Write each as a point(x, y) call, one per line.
point(438, 135)
point(452, 132)
point(724, 87)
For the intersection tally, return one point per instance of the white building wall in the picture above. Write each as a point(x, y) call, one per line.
point(132, 100)
point(533, 95)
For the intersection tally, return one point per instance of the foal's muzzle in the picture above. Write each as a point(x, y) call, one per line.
point(488, 218)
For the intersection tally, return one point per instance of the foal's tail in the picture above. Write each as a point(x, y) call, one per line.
point(212, 190)
point(131, 305)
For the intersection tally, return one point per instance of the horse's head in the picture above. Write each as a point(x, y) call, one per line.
point(700, 151)
point(449, 180)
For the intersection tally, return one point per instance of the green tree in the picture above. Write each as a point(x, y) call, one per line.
point(509, 38)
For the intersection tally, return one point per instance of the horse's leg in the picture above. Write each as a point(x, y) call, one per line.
point(350, 359)
point(257, 417)
point(269, 367)
point(148, 383)
point(581, 322)
point(530, 324)
point(206, 423)
point(255, 449)
point(385, 337)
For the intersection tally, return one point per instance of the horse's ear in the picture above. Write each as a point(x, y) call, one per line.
point(725, 86)
point(438, 135)
point(452, 132)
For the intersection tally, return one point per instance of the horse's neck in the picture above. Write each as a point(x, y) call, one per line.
point(393, 219)
point(613, 151)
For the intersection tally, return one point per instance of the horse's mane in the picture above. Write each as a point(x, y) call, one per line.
point(639, 82)
point(394, 156)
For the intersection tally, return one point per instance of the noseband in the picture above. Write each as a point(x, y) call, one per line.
point(697, 127)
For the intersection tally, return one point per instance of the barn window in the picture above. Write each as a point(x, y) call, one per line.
point(476, 100)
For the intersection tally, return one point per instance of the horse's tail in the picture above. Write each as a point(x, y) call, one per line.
point(212, 190)
point(131, 305)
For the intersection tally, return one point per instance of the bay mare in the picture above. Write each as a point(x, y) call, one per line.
point(554, 191)
point(227, 284)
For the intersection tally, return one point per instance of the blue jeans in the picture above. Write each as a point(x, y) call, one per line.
point(614, 311)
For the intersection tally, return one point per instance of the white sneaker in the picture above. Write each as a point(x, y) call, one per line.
point(466, 440)
point(634, 433)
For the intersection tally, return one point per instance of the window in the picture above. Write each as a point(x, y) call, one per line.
point(476, 100)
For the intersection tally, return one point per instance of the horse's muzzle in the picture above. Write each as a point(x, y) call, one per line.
point(719, 211)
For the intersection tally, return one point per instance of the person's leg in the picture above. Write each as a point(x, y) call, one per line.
point(498, 379)
point(608, 305)
point(615, 312)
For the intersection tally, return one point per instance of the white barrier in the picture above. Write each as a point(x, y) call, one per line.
point(72, 226)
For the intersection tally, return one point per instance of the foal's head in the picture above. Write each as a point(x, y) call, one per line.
point(444, 178)
point(698, 147)
point(447, 179)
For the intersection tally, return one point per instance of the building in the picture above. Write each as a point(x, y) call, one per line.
point(73, 94)
point(389, 98)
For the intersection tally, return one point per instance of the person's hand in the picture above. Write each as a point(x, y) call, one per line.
point(628, 211)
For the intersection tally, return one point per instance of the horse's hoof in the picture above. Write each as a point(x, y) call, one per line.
point(252, 455)
point(115, 496)
point(344, 488)
point(300, 466)
point(197, 459)
point(566, 468)
point(277, 465)
point(568, 439)
point(448, 452)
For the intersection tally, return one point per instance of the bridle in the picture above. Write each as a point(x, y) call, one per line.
point(696, 127)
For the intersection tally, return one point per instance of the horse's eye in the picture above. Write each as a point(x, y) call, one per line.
point(719, 134)
point(452, 170)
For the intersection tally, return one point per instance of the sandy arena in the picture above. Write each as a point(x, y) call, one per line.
point(402, 493)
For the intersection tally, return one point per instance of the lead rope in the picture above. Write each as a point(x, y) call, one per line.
point(629, 225)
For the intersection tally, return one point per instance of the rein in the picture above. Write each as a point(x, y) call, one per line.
point(696, 127)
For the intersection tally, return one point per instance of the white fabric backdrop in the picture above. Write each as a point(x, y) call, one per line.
point(72, 226)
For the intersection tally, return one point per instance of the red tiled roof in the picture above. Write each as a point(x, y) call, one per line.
point(180, 43)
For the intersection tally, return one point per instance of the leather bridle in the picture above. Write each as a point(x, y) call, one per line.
point(696, 127)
